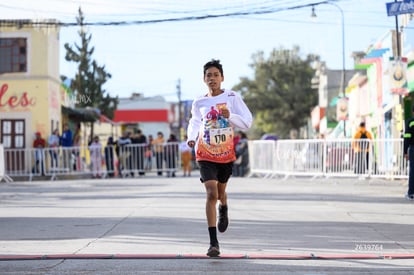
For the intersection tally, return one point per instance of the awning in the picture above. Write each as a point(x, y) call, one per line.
point(105, 119)
point(81, 114)
point(376, 53)
point(370, 58)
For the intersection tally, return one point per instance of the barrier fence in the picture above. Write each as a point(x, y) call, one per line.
point(381, 158)
point(3, 175)
point(125, 161)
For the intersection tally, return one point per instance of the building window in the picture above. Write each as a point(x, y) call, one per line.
point(13, 55)
point(12, 133)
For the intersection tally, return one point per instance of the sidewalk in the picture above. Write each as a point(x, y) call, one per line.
point(294, 225)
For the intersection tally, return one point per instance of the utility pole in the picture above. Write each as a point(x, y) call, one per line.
point(399, 59)
point(179, 106)
point(343, 72)
point(397, 33)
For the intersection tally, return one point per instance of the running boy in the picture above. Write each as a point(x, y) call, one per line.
point(211, 132)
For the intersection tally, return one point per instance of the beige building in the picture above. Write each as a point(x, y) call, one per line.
point(30, 90)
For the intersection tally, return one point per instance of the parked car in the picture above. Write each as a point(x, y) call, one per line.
point(312, 156)
point(339, 157)
point(269, 137)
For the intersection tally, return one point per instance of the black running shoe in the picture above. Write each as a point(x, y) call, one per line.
point(223, 220)
point(213, 251)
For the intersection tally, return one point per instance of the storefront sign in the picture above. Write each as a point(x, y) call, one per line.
point(402, 7)
point(15, 101)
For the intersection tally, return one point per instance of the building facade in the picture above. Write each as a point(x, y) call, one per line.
point(379, 91)
point(30, 92)
point(149, 114)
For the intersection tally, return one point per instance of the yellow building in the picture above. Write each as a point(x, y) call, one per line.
point(30, 92)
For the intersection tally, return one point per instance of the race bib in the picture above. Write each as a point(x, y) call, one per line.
point(221, 136)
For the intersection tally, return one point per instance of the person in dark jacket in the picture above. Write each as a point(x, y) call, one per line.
point(138, 151)
point(409, 154)
point(124, 153)
point(66, 141)
point(109, 157)
point(171, 155)
point(240, 166)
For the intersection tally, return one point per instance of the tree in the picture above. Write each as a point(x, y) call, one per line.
point(90, 78)
point(280, 95)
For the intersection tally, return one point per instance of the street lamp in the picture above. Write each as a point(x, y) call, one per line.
point(342, 84)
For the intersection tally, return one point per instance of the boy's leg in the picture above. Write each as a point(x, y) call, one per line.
point(211, 201)
point(223, 220)
point(222, 195)
point(223, 177)
point(211, 213)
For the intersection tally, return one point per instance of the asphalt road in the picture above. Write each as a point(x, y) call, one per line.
point(157, 225)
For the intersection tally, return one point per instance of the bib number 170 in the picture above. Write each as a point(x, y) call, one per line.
point(220, 136)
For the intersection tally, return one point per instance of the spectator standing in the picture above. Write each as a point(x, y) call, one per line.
point(77, 142)
point(95, 150)
point(242, 154)
point(39, 144)
point(53, 143)
point(123, 152)
point(158, 146)
point(66, 142)
point(171, 155)
point(361, 145)
point(139, 151)
point(186, 155)
point(109, 157)
point(236, 139)
point(149, 153)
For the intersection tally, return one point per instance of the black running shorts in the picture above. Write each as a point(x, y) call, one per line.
point(220, 172)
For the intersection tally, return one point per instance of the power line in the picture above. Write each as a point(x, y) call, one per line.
point(11, 23)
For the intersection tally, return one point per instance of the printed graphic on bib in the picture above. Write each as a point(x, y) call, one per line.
point(220, 136)
point(216, 140)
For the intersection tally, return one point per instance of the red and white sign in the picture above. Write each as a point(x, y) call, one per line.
point(136, 116)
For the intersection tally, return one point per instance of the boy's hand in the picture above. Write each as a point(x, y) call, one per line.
point(225, 112)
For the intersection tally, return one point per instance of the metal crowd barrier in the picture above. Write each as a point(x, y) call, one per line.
point(126, 161)
point(380, 158)
point(134, 159)
point(262, 157)
point(3, 175)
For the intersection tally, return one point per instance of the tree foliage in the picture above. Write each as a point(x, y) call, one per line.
point(280, 95)
point(90, 77)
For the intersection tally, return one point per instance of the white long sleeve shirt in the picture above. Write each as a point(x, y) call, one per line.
point(95, 149)
point(212, 132)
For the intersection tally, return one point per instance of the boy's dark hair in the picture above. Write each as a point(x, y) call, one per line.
point(213, 63)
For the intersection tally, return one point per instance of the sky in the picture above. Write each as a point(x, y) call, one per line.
point(152, 58)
